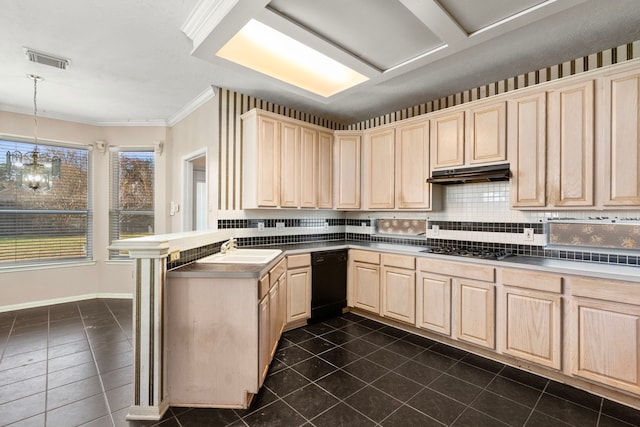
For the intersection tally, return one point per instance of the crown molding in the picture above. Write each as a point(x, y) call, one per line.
point(207, 94)
point(204, 18)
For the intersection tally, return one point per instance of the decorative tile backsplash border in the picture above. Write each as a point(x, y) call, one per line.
point(491, 227)
point(288, 222)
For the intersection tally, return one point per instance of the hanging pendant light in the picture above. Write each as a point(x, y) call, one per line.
point(32, 169)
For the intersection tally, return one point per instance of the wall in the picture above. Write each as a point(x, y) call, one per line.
point(31, 287)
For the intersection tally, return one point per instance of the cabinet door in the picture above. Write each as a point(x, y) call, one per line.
point(290, 166)
point(379, 169)
point(282, 304)
point(274, 319)
point(605, 343)
point(268, 179)
point(571, 131)
point(621, 143)
point(447, 140)
point(532, 326)
point(475, 316)
point(366, 286)
point(264, 342)
point(347, 182)
point(298, 294)
point(308, 175)
point(433, 303)
point(399, 294)
point(527, 145)
point(325, 170)
point(486, 134)
point(412, 166)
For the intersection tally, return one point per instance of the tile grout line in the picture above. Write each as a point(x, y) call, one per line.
point(95, 362)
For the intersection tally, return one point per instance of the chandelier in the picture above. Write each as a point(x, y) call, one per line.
point(33, 169)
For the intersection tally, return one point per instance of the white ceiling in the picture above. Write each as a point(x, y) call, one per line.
point(146, 61)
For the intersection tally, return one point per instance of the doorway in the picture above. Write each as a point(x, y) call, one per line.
point(195, 192)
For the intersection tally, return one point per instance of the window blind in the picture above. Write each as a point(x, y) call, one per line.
point(131, 193)
point(44, 226)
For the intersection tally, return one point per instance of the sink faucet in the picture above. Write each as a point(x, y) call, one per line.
point(229, 245)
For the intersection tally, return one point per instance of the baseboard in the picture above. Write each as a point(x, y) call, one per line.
point(41, 303)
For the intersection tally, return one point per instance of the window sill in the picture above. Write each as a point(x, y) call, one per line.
point(48, 266)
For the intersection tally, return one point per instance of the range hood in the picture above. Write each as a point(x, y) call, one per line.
point(470, 174)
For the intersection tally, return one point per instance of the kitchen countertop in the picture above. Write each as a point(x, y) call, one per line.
point(580, 268)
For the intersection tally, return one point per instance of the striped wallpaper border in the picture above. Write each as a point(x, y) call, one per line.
point(591, 62)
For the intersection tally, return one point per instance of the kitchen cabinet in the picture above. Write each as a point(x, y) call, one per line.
point(527, 148)
point(412, 167)
point(308, 169)
point(290, 165)
point(621, 143)
point(298, 288)
point(570, 169)
point(325, 170)
point(469, 136)
point(364, 280)
point(261, 160)
point(277, 304)
point(475, 312)
point(398, 286)
point(347, 170)
point(378, 169)
point(433, 302)
point(264, 332)
point(605, 332)
point(532, 328)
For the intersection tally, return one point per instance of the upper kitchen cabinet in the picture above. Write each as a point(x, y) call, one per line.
point(347, 170)
point(527, 146)
point(286, 163)
point(468, 137)
point(621, 142)
point(570, 168)
point(261, 160)
point(395, 167)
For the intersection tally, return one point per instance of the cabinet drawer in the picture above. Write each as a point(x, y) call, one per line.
point(605, 289)
point(484, 273)
point(532, 280)
point(365, 256)
point(400, 261)
point(297, 261)
point(263, 286)
point(277, 271)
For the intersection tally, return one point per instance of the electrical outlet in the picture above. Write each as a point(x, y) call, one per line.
point(435, 229)
point(363, 225)
point(528, 234)
point(326, 225)
point(174, 256)
point(261, 226)
point(279, 225)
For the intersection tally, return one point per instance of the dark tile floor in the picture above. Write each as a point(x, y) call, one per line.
point(70, 364)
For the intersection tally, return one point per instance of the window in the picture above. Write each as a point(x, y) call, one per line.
point(131, 191)
point(45, 225)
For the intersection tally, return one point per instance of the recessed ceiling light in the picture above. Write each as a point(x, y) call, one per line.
point(268, 51)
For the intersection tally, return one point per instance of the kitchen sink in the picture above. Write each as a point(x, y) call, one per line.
point(242, 256)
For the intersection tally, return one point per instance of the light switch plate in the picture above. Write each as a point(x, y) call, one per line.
point(261, 226)
point(174, 256)
point(279, 225)
point(528, 234)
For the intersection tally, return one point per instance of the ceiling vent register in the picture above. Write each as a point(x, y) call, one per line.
point(46, 59)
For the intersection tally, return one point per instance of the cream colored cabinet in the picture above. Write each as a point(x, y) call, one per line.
point(412, 167)
point(447, 140)
point(261, 160)
point(290, 165)
point(605, 332)
point(475, 312)
point(308, 175)
point(378, 169)
point(298, 288)
point(433, 302)
point(398, 286)
point(347, 170)
point(532, 327)
point(264, 332)
point(486, 133)
point(621, 144)
point(570, 169)
point(364, 280)
point(471, 136)
point(325, 170)
point(527, 149)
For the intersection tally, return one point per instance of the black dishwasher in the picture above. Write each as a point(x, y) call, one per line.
point(328, 284)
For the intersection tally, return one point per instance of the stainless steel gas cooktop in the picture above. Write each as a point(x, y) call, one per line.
point(469, 252)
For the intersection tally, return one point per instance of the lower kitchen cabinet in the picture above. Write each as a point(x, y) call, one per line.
point(264, 343)
point(475, 312)
point(605, 335)
point(298, 288)
point(365, 280)
point(532, 304)
point(398, 285)
point(433, 302)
